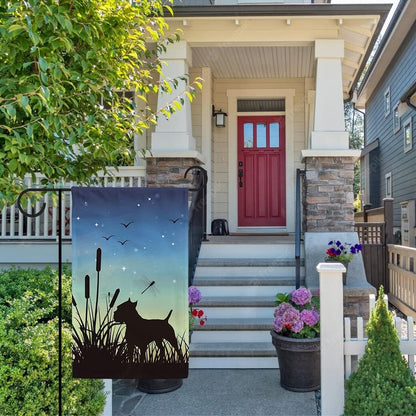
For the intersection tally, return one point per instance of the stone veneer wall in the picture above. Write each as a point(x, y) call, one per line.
point(169, 172)
point(329, 197)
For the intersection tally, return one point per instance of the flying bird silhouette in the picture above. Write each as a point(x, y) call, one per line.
point(107, 238)
point(149, 286)
point(123, 242)
point(126, 225)
point(174, 220)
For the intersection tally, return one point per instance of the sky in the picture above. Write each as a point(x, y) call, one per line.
point(143, 236)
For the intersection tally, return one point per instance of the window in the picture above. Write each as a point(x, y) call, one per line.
point(396, 118)
point(407, 135)
point(389, 187)
point(387, 102)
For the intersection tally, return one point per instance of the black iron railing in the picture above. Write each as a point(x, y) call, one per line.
point(298, 224)
point(197, 217)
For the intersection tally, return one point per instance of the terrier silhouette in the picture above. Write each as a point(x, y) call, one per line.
point(141, 332)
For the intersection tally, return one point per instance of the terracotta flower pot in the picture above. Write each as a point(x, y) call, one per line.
point(299, 362)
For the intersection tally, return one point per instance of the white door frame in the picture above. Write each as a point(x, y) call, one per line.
point(233, 95)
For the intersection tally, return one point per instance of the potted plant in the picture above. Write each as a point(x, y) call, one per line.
point(295, 335)
point(342, 253)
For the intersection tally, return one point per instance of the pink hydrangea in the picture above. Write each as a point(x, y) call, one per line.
point(301, 296)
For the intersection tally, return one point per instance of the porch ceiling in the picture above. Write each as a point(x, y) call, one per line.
point(277, 42)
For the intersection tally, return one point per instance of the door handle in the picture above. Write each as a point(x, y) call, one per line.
point(240, 175)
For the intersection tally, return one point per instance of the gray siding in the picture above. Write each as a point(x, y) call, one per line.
point(399, 76)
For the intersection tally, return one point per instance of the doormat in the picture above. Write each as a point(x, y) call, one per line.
point(130, 279)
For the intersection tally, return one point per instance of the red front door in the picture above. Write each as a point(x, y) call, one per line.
point(261, 171)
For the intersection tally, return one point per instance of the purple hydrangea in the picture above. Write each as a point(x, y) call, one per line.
point(298, 326)
point(194, 295)
point(301, 296)
point(278, 323)
point(290, 317)
point(282, 308)
point(309, 317)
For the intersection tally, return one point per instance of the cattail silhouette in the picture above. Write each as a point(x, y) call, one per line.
point(74, 301)
point(98, 269)
point(98, 260)
point(87, 286)
point(113, 301)
point(87, 296)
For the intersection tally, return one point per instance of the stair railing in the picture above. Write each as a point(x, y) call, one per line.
point(197, 217)
point(298, 224)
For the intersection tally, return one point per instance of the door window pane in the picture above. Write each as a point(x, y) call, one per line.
point(261, 135)
point(248, 134)
point(274, 135)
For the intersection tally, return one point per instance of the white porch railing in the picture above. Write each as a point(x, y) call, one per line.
point(402, 275)
point(15, 226)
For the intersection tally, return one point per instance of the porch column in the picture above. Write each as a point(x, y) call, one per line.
point(172, 144)
point(175, 133)
point(329, 164)
point(329, 125)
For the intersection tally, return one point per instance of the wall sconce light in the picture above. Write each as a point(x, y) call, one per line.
point(219, 117)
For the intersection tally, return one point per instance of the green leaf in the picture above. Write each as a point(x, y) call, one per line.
point(43, 64)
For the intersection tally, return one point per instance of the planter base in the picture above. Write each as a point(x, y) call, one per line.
point(159, 385)
point(299, 362)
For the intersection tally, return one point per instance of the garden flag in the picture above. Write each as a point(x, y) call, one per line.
point(130, 280)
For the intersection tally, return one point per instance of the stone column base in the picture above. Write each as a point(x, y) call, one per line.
point(329, 197)
point(169, 172)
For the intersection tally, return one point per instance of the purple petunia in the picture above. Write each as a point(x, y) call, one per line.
point(301, 296)
point(194, 295)
point(309, 317)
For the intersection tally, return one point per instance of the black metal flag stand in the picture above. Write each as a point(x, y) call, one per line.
point(59, 231)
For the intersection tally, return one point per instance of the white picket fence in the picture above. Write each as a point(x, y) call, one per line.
point(338, 348)
point(355, 347)
point(14, 225)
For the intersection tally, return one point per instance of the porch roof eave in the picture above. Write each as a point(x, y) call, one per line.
point(325, 13)
point(283, 10)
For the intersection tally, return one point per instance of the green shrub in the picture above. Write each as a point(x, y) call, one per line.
point(383, 384)
point(29, 349)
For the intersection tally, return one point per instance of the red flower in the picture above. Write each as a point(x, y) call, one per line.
point(331, 252)
point(288, 326)
point(195, 312)
point(200, 313)
point(202, 322)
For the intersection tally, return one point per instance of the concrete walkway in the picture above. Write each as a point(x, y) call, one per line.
point(216, 393)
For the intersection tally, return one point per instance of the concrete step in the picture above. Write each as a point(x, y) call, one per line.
point(239, 279)
point(222, 330)
point(227, 280)
point(246, 262)
point(243, 291)
point(213, 250)
point(233, 355)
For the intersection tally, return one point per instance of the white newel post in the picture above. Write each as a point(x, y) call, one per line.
point(332, 341)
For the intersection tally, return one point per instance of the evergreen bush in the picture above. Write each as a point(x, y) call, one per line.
point(383, 383)
point(29, 348)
